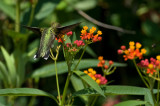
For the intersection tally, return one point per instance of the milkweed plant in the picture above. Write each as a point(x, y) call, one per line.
point(94, 84)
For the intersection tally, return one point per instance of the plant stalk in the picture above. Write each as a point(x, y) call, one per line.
point(81, 56)
point(17, 20)
point(140, 73)
point(59, 96)
point(94, 101)
point(66, 85)
point(158, 88)
point(32, 14)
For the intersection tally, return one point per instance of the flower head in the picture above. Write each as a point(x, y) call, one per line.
point(134, 51)
point(150, 65)
point(96, 77)
point(89, 36)
point(69, 33)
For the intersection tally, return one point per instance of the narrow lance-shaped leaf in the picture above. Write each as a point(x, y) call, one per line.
point(4, 75)
point(78, 85)
point(131, 103)
point(25, 92)
point(113, 90)
point(48, 70)
point(10, 65)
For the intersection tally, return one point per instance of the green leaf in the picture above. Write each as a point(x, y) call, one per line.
point(86, 4)
point(78, 85)
point(4, 75)
point(7, 9)
point(2, 104)
point(68, 40)
point(45, 10)
point(151, 29)
point(89, 81)
point(48, 70)
point(148, 97)
point(91, 52)
point(114, 90)
point(119, 90)
point(2, 101)
point(74, 37)
point(25, 92)
point(86, 63)
point(62, 5)
point(15, 35)
point(10, 65)
point(131, 103)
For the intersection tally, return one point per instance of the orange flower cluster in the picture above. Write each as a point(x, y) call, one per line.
point(90, 36)
point(102, 63)
point(133, 51)
point(151, 66)
point(97, 77)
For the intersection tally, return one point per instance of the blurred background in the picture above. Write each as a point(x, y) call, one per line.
point(120, 21)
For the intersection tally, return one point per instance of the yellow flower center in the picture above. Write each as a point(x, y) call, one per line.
point(132, 47)
point(100, 58)
point(158, 57)
point(126, 52)
point(138, 45)
point(83, 31)
point(94, 29)
point(85, 27)
point(131, 43)
point(98, 81)
point(90, 70)
point(143, 51)
point(99, 32)
point(150, 66)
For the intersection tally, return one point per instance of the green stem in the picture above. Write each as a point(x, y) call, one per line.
point(32, 14)
point(158, 88)
point(59, 96)
point(140, 73)
point(66, 85)
point(17, 20)
point(33, 99)
point(81, 56)
point(94, 101)
point(151, 82)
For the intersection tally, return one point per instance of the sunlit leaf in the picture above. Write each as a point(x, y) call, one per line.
point(86, 4)
point(78, 85)
point(114, 90)
point(7, 9)
point(10, 65)
point(4, 74)
point(45, 10)
point(49, 70)
point(25, 92)
point(148, 97)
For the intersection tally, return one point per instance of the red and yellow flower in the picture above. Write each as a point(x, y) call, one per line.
point(90, 35)
point(134, 51)
point(96, 77)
